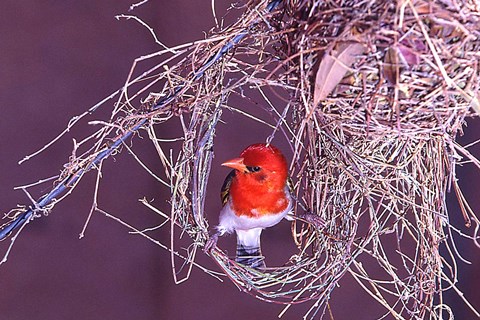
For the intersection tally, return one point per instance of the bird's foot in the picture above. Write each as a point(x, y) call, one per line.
point(313, 219)
point(211, 243)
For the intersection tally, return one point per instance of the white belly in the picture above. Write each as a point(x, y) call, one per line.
point(230, 222)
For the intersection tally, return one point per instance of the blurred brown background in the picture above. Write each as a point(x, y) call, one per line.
point(58, 58)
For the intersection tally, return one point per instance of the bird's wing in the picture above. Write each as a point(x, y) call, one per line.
point(225, 193)
point(290, 184)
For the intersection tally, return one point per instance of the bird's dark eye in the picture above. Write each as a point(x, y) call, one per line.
point(253, 169)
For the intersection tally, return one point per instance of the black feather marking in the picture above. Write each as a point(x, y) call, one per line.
point(290, 185)
point(225, 193)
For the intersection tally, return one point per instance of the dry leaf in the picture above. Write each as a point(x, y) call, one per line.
point(408, 56)
point(430, 7)
point(398, 58)
point(391, 66)
point(333, 68)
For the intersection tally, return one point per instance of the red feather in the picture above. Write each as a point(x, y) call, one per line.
point(260, 193)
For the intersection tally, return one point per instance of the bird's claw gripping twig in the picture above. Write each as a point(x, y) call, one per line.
point(211, 243)
point(313, 219)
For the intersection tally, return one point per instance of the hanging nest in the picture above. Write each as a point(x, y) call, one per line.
point(374, 96)
point(371, 96)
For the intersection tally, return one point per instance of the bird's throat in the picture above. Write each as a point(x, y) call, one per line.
point(253, 199)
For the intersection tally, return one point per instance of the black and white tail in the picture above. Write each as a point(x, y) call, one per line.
point(249, 252)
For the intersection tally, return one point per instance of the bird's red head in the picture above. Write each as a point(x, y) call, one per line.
point(260, 180)
point(260, 159)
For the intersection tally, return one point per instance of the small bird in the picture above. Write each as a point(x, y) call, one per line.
point(255, 196)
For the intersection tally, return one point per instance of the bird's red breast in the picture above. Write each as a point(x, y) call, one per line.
point(259, 184)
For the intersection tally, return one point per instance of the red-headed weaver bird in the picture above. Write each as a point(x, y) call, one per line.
point(255, 196)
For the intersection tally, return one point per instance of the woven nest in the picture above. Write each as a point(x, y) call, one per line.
point(374, 95)
point(371, 96)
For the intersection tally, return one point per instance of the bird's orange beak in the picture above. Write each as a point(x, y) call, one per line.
point(236, 164)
